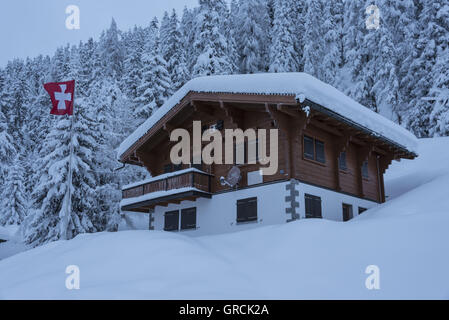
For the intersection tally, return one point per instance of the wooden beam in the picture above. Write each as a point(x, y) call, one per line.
point(202, 109)
point(363, 155)
point(146, 159)
point(340, 145)
point(231, 115)
point(168, 128)
point(288, 110)
point(325, 127)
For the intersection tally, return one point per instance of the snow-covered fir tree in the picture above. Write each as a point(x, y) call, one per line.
point(7, 148)
point(13, 200)
point(439, 117)
point(210, 42)
point(172, 51)
point(433, 38)
point(251, 26)
point(314, 42)
point(155, 86)
point(111, 51)
point(283, 57)
point(52, 218)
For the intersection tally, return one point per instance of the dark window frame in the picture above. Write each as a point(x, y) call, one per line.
point(245, 212)
point(318, 158)
point(306, 153)
point(184, 225)
point(342, 163)
point(350, 211)
point(171, 227)
point(364, 169)
point(362, 210)
point(318, 154)
point(313, 206)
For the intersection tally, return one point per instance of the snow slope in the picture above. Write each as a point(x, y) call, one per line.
point(407, 238)
point(13, 244)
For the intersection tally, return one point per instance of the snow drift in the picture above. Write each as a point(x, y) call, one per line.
point(407, 238)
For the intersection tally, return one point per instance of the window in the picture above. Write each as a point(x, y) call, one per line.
point(168, 168)
point(365, 169)
point(247, 210)
point(313, 206)
point(319, 151)
point(188, 219)
point(362, 210)
point(342, 161)
point(347, 212)
point(171, 222)
point(309, 152)
point(314, 149)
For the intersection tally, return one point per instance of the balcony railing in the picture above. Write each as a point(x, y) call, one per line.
point(176, 180)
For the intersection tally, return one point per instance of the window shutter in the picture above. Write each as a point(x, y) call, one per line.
point(317, 207)
point(312, 206)
point(308, 207)
point(365, 169)
point(171, 222)
point(188, 218)
point(342, 161)
point(347, 212)
point(319, 149)
point(308, 148)
point(247, 210)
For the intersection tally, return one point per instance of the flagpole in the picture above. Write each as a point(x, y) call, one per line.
point(68, 211)
point(69, 181)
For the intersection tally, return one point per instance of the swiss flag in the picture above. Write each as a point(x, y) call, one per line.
point(62, 96)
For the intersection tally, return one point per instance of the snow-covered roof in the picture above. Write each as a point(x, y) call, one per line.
point(162, 177)
point(301, 85)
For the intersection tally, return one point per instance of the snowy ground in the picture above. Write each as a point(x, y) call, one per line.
point(13, 244)
point(407, 238)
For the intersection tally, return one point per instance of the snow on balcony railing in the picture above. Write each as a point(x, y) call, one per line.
point(188, 178)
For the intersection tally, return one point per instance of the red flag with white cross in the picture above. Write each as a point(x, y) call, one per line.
point(62, 97)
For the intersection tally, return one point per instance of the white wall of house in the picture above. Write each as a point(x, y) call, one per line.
point(331, 202)
point(219, 214)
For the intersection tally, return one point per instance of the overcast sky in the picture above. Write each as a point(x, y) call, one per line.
point(32, 27)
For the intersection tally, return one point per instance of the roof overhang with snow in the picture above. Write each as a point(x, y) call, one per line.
point(299, 88)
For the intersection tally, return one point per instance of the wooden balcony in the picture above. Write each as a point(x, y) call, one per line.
point(188, 184)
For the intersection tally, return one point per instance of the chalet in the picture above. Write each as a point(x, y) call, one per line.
point(332, 155)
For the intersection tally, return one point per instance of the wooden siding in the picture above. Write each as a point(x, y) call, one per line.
point(291, 162)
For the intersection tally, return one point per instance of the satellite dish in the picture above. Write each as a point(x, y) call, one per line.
point(233, 177)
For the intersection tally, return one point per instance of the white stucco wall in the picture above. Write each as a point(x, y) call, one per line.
point(219, 214)
point(331, 202)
